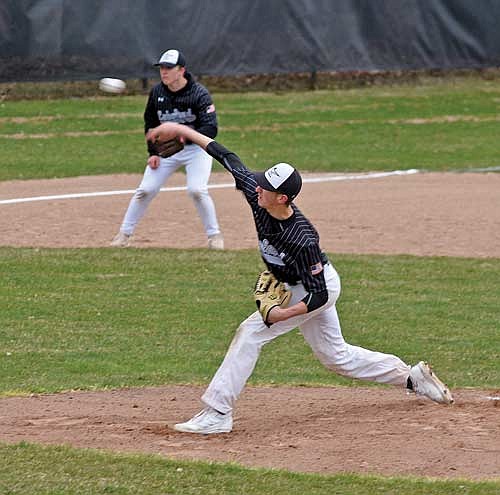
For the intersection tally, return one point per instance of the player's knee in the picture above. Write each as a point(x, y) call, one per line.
point(339, 358)
point(144, 192)
point(197, 193)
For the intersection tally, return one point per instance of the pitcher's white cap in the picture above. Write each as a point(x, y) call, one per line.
point(282, 178)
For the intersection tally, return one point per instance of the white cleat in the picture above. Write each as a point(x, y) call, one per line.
point(121, 240)
point(206, 422)
point(426, 383)
point(216, 242)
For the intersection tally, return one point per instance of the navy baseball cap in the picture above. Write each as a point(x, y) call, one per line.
point(171, 58)
point(282, 178)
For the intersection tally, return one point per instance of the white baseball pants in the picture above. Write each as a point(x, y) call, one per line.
point(198, 166)
point(321, 329)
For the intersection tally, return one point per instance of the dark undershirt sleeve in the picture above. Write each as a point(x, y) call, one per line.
point(229, 160)
point(315, 300)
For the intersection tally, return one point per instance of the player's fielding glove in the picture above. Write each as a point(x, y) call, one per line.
point(166, 148)
point(270, 292)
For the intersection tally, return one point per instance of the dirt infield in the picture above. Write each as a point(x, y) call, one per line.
point(326, 430)
point(422, 214)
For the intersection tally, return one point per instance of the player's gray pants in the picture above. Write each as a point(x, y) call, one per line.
point(321, 329)
point(198, 165)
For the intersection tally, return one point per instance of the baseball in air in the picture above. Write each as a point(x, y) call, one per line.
point(111, 85)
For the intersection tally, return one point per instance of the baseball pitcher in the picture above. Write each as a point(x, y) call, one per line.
point(299, 289)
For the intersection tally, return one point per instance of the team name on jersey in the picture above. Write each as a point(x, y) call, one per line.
point(177, 116)
point(270, 253)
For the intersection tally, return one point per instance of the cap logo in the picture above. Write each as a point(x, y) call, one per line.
point(274, 171)
point(278, 174)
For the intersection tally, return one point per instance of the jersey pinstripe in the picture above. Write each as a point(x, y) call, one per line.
point(289, 248)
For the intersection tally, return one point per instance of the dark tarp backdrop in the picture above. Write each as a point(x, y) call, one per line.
point(88, 39)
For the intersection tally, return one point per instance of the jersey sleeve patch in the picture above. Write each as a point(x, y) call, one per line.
point(317, 268)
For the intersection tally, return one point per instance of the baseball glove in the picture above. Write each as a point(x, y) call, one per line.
point(166, 148)
point(270, 292)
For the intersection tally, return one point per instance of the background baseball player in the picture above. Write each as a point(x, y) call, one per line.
point(177, 98)
point(289, 246)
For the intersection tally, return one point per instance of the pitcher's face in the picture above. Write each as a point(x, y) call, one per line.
point(268, 199)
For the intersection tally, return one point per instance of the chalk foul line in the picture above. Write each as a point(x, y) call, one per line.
point(324, 178)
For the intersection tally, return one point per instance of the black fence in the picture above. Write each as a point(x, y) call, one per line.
point(48, 40)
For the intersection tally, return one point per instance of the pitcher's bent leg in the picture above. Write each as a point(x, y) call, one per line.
point(324, 335)
point(241, 358)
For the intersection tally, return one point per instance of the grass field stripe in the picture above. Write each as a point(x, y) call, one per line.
point(326, 178)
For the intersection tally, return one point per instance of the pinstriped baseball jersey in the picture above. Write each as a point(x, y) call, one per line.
point(289, 248)
point(192, 105)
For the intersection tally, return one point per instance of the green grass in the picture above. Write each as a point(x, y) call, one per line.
point(85, 319)
point(333, 131)
point(29, 469)
point(97, 319)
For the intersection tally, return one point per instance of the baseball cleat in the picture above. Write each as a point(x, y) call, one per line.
point(206, 422)
point(121, 240)
point(216, 242)
point(425, 382)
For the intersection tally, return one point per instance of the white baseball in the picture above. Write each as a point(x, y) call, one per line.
point(112, 85)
